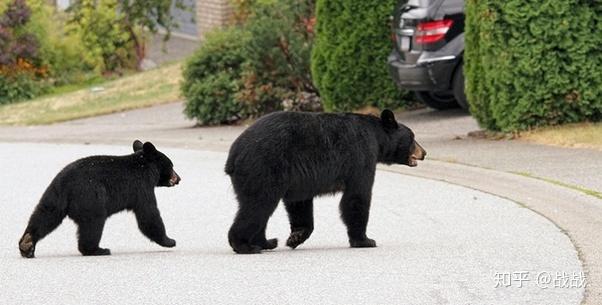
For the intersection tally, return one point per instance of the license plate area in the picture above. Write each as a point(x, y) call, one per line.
point(404, 44)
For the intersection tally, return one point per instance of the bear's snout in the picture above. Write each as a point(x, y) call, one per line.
point(175, 179)
point(418, 153)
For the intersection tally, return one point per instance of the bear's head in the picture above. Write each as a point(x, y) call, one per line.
point(400, 146)
point(167, 176)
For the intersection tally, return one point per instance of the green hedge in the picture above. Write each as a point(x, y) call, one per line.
point(211, 78)
point(256, 66)
point(533, 63)
point(20, 86)
point(349, 58)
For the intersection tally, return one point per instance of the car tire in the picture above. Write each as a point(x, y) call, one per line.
point(458, 87)
point(437, 100)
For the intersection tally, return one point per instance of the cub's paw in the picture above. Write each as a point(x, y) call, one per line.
point(27, 247)
point(270, 244)
point(362, 243)
point(167, 243)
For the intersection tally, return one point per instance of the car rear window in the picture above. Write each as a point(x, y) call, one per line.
point(420, 3)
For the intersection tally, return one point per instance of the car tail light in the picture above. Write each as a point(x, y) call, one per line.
point(432, 31)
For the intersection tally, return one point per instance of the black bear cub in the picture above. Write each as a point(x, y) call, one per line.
point(91, 189)
point(296, 156)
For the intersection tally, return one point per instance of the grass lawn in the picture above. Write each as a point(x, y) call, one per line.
point(585, 135)
point(157, 86)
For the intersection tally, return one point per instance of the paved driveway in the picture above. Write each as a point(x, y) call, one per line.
point(438, 244)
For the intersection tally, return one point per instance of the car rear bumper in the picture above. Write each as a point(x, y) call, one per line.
point(432, 74)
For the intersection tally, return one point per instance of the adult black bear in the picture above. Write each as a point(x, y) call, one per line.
point(91, 189)
point(296, 156)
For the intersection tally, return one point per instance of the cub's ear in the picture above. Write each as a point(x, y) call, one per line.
point(148, 147)
point(137, 145)
point(388, 119)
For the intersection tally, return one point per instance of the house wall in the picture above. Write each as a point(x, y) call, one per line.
point(211, 14)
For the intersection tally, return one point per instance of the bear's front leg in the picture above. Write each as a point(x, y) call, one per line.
point(151, 225)
point(355, 211)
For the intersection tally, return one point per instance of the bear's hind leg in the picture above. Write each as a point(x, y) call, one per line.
point(89, 234)
point(301, 218)
point(355, 211)
point(44, 220)
point(249, 225)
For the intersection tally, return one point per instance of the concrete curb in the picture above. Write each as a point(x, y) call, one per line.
point(577, 214)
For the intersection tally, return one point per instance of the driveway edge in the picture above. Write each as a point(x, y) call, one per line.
point(575, 213)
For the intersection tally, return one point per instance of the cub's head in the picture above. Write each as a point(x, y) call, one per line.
point(400, 146)
point(167, 176)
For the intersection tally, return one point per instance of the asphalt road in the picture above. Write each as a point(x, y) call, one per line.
point(438, 244)
point(441, 133)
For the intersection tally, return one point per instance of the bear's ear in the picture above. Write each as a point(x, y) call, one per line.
point(148, 147)
point(137, 145)
point(388, 119)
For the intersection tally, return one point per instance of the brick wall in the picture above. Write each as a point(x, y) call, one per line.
point(211, 14)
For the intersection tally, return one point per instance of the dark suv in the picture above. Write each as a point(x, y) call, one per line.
point(429, 46)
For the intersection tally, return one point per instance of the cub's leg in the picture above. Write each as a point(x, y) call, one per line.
point(45, 218)
point(301, 218)
point(151, 224)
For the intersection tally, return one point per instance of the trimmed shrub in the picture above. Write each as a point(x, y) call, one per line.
point(278, 55)
point(530, 64)
point(212, 78)
point(259, 65)
point(349, 58)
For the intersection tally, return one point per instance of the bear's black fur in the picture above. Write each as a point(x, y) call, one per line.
point(91, 189)
point(296, 156)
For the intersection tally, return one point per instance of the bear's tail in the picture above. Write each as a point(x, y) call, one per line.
point(229, 166)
